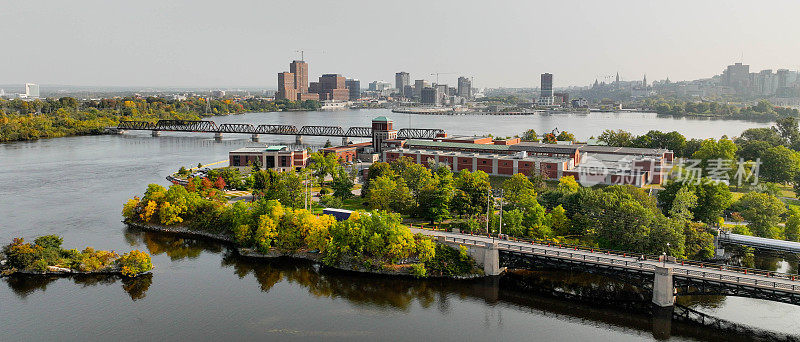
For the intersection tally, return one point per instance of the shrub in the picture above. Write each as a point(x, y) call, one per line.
point(418, 270)
point(49, 241)
point(134, 262)
point(20, 254)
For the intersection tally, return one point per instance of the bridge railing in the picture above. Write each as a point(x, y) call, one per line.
point(682, 262)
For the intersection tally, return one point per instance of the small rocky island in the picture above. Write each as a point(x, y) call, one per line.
point(45, 256)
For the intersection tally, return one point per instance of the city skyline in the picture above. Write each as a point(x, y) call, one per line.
point(168, 45)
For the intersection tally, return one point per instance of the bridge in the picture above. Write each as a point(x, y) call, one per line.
point(207, 126)
point(758, 242)
point(666, 279)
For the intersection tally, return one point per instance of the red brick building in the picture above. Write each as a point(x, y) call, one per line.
point(279, 158)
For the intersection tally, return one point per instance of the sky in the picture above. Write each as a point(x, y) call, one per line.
point(499, 43)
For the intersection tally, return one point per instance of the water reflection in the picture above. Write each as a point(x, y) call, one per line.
point(136, 288)
point(617, 303)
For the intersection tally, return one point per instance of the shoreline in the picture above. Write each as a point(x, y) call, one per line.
point(66, 272)
point(305, 255)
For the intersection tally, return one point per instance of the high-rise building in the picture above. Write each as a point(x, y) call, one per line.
point(418, 86)
point(408, 91)
point(32, 90)
point(332, 87)
point(547, 85)
point(300, 71)
point(354, 87)
point(464, 87)
point(286, 88)
point(401, 80)
point(431, 96)
point(737, 76)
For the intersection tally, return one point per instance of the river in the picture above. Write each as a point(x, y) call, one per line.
point(75, 187)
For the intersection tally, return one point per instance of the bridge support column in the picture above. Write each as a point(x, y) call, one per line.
point(155, 133)
point(663, 287)
point(491, 260)
point(254, 137)
point(662, 322)
point(298, 139)
point(217, 136)
point(344, 141)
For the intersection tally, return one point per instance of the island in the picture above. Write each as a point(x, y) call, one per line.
point(45, 256)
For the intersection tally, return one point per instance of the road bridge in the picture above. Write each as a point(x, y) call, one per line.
point(758, 242)
point(207, 126)
point(665, 279)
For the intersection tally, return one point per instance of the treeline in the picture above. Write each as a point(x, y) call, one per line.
point(47, 118)
point(762, 110)
point(45, 252)
point(776, 148)
point(615, 217)
point(373, 241)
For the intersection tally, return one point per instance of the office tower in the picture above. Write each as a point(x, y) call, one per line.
point(547, 85)
point(408, 91)
point(401, 80)
point(418, 86)
point(286, 87)
point(431, 96)
point(464, 87)
point(300, 71)
point(32, 90)
point(332, 87)
point(354, 87)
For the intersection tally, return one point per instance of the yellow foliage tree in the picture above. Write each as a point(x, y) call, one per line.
point(169, 213)
point(148, 211)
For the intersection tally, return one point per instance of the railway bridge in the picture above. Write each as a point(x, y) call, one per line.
point(666, 279)
point(207, 126)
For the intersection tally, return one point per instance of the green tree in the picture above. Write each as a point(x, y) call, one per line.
point(565, 136)
point(762, 213)
point(792, 231)
point(779, 165)
point(616, 138)
point(472, 191)
point(530, 135)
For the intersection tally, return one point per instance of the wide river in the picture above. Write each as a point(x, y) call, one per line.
point(75, 187)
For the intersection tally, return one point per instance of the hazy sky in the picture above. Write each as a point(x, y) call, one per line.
point(225, 43)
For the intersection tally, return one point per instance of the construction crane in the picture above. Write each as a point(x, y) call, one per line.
point(440, 73)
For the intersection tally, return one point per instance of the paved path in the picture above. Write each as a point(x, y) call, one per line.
point(718, 273)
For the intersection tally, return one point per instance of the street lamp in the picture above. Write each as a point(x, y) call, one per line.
point(664, 261)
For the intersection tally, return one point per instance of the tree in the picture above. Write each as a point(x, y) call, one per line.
point(559, 222)
point(376, 170)
point(568, 184)
point(530, 135)
point(787, 127)
point(792, 231)
point(342, 184)
point(685, 200)
point(712, 197)
point(762, 213)
point(472, 192)
point(219, 183)
point(565, 136)
point(323, 164)
point(518, 191)
point(752, 149)
point(134, 263)
point(616, 138)
point(387, 194)
point(712, 150)
point(779, 164)
point(762, 134)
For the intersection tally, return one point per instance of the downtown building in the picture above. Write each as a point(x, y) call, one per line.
point(588, 164)
point(294, 85)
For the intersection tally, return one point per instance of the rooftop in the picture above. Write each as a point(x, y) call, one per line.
point(381, 119)
point(426, 143)
point(260, 149)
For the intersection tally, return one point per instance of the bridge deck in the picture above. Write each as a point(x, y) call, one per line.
point(759, 242)
point(720, 274)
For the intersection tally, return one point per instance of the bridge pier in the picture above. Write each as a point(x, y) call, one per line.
point(663, 287)
point(254, 137)
point(155, 133)
point(298, 139)
point(661, 324)
point(491, 260)
point(218, 136)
